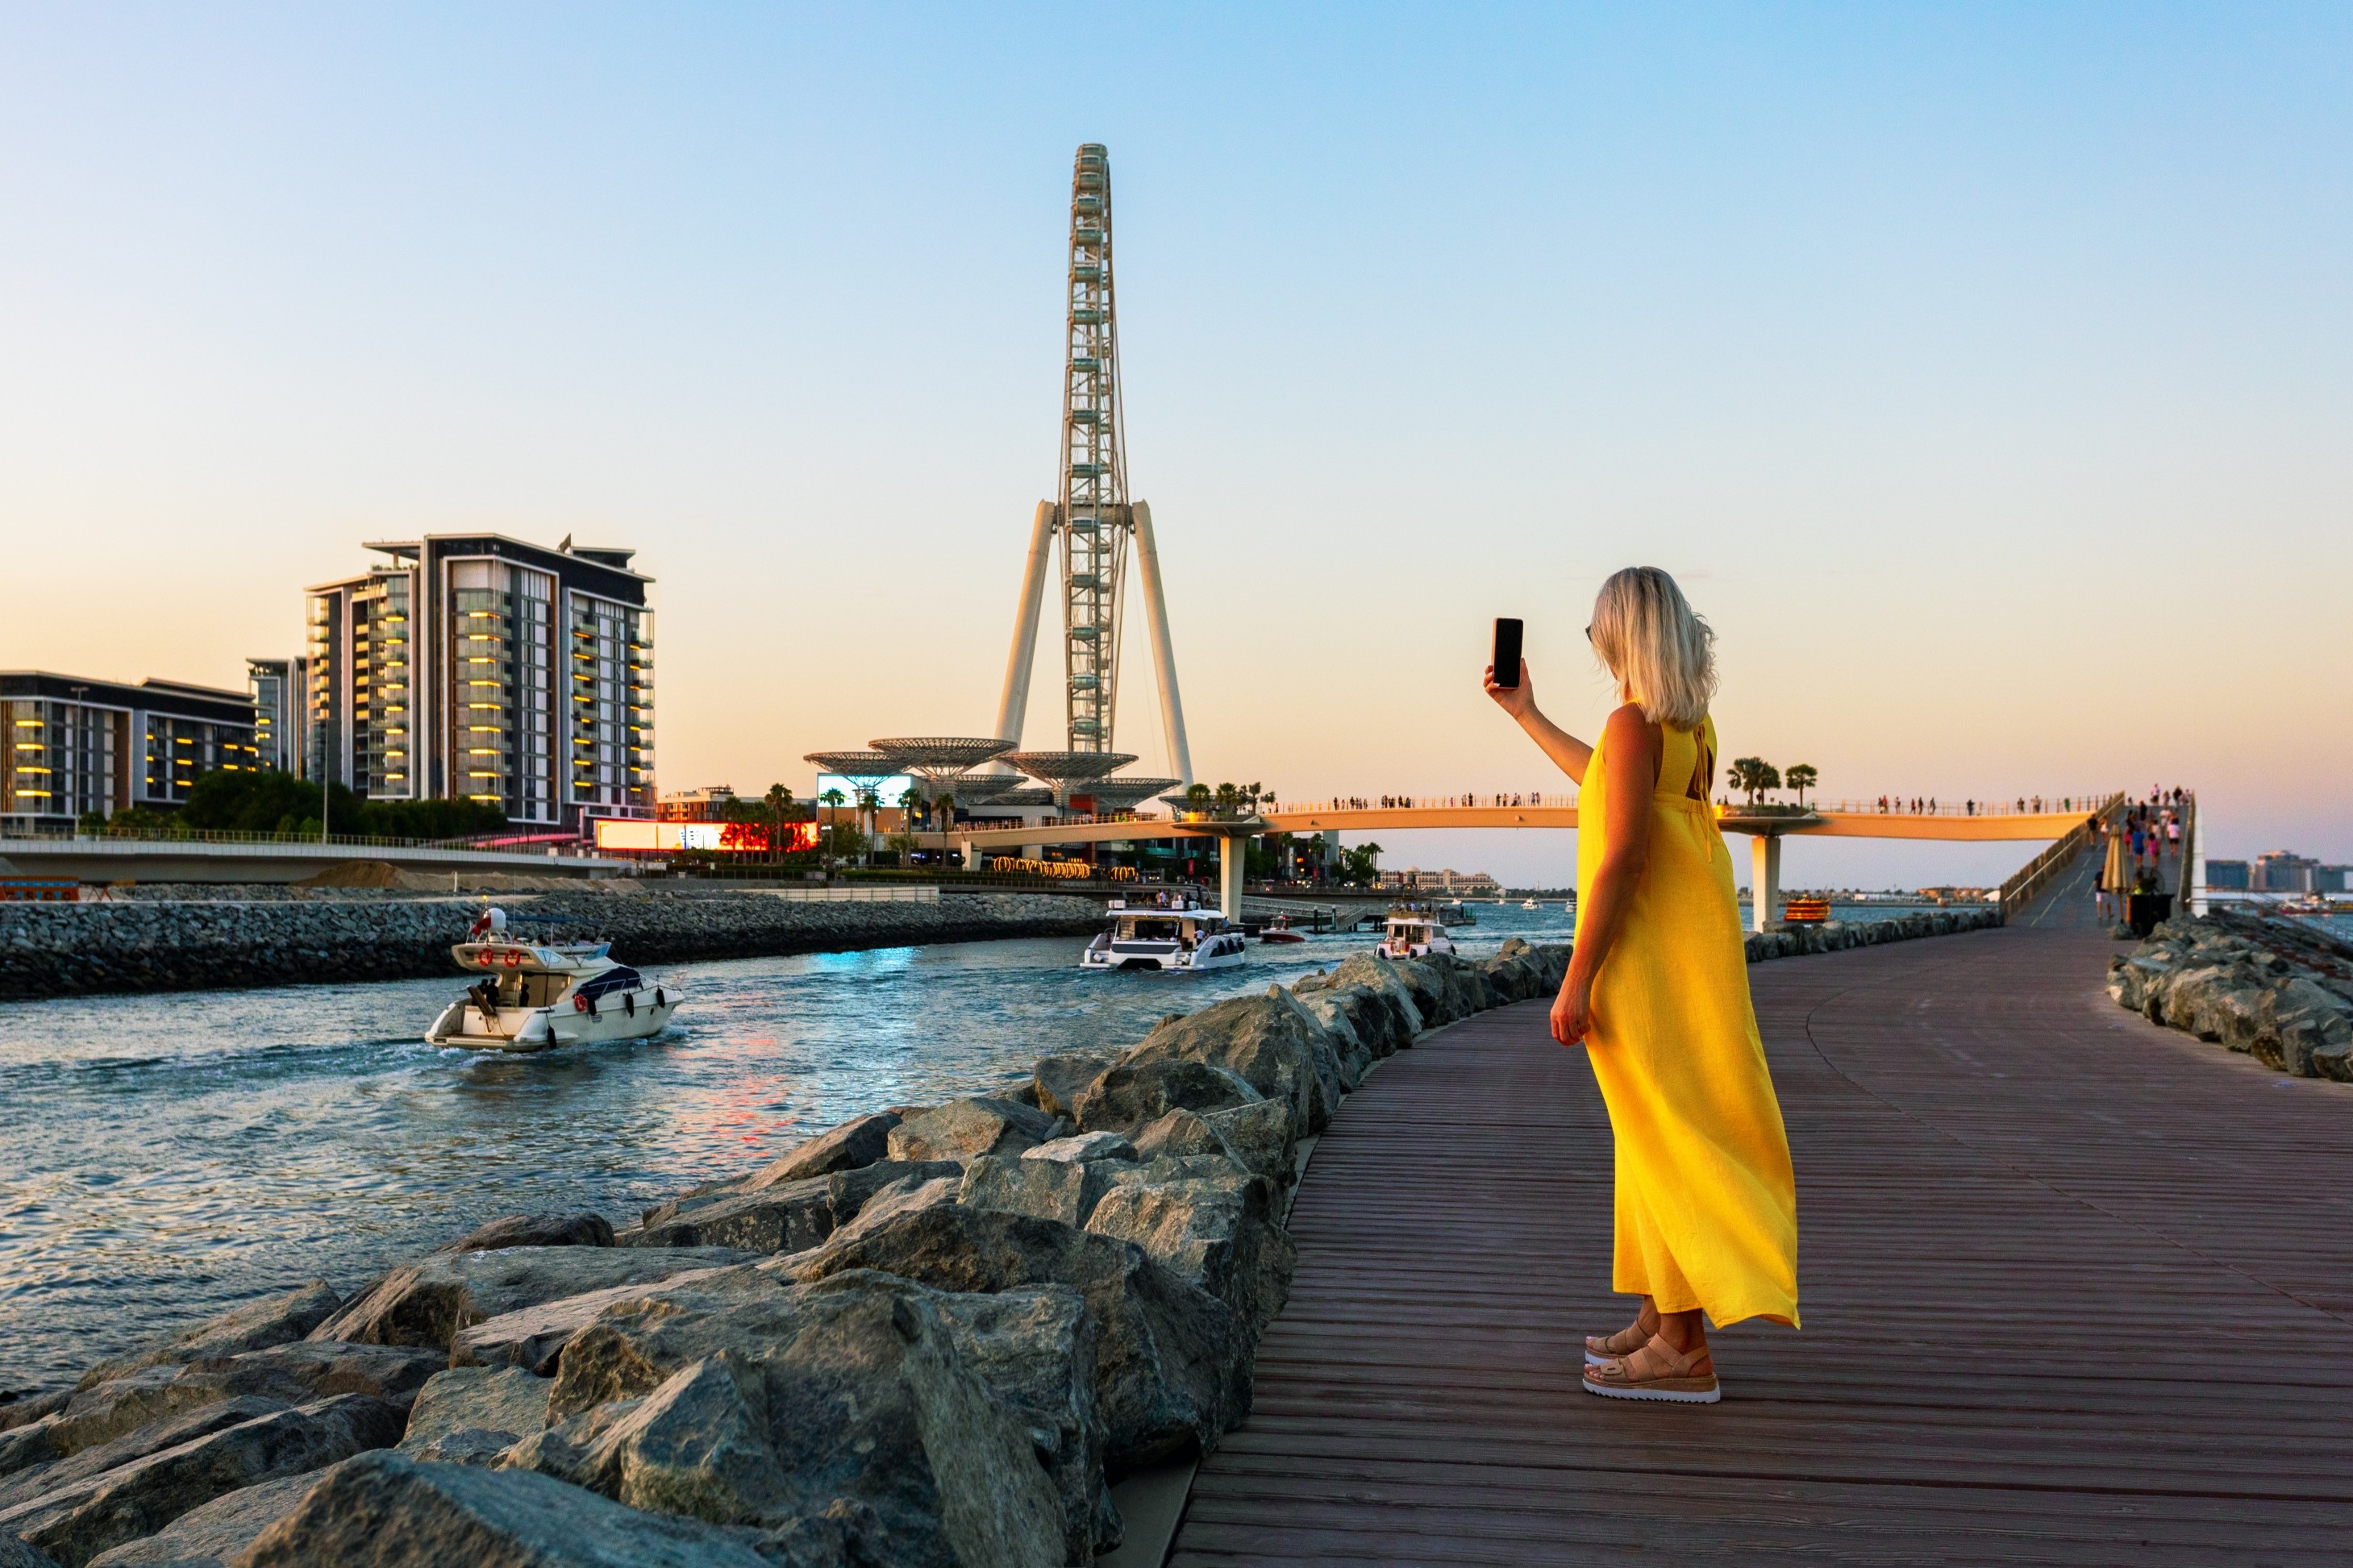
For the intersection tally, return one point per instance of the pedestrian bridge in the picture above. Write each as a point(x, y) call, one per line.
point(1766, 826)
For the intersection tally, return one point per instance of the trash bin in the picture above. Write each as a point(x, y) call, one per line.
point(2145, 911)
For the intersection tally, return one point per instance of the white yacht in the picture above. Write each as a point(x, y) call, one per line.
point(1414, 932)
point(532, 994)
point(1185, 938)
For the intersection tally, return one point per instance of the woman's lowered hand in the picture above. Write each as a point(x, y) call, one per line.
point(1572, 1012)
point(1519, 701)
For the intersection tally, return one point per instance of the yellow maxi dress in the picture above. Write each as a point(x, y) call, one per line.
point(1707, 1205)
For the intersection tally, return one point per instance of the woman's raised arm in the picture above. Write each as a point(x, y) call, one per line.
point(1569, 753)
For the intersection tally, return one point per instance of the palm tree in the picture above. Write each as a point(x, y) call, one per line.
point(1753, 776)
point(779, 801)
point(1802, 778)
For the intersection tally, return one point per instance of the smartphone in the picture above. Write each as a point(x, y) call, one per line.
point(1507, 651)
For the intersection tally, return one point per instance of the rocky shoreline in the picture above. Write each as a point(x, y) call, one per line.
point(68, 950)
point(2279, 990)
point(933, 1335)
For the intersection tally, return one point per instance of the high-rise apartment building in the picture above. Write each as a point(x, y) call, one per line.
point(281, 712)
point(70, 746)
point(478, 666)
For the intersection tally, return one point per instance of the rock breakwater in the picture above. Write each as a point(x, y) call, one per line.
point(1838, 936)
point(63, 950)
point(2279, 990)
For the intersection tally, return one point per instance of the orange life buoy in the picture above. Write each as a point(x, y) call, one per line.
point(514, 960)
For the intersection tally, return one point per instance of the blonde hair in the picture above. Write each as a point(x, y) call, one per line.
point(1662, 653)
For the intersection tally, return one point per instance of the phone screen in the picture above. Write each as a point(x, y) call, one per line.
point(1507, 651)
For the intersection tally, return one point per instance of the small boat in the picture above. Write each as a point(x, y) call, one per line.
point(537, 993)
point(1280, 931)
point(1414, 932)
point(1530, 904)
point(1184, 939)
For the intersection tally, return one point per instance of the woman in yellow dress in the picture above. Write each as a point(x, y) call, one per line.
point(1658, 993)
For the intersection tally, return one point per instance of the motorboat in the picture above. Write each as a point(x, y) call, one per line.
point(1414, 932)
point(1280, 931)
point(1182, 937)
point(1530, 904)
point(535, 991)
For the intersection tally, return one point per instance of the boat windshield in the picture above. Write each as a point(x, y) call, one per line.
point(529, 989)
point(1151, 930)
point(619, 978)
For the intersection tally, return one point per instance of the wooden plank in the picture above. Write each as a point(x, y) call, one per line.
point(2077, 1290)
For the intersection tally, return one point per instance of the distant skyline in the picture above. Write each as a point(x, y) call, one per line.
point(1984, 373)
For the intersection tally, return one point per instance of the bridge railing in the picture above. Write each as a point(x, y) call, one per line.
point(500, 843)
point(2017, 805)
point(2026, 805)
point(2035, 874)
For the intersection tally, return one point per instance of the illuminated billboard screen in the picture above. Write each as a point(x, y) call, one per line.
point(738, 837)
point(891, 792)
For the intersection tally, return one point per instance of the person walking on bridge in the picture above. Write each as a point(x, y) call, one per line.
point(1658, 993)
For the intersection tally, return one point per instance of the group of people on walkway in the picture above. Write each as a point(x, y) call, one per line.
point(2134, 846)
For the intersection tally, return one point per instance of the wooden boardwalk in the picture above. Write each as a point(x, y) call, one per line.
point(2077, 1290)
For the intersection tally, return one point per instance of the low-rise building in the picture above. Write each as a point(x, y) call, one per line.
point(71, 746)
point(1461, 884)
point(708, 804)
point(281, 712)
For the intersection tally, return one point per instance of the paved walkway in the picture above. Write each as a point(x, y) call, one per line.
point(2077, 1290)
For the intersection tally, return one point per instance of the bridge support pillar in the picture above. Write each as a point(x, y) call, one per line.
point(1233, 855)
point(1764, 880)
point(971, 855)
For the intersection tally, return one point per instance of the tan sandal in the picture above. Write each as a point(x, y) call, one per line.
point(1668, 1374)
point(1599, 1348)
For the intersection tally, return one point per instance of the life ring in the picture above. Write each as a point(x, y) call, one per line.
point(515, 959)
point(579, 1003)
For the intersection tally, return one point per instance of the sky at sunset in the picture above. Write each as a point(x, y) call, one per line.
point(1984, 372)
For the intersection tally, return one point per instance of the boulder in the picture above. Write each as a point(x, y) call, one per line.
point(1035, 1348)
point(209, 1536)
point(1217, 1232)
point(503, 1402)
point(23, 1409)
point(271, 1320)
point(386, 1510)
point(28, 1446)
point(1182, 1133)
point(1352, 1057)
point(427, 1302)
point(849, 1190)
point(1170, 1370)
point(1268, 1041)
point(79, 1521)
point(14, 1553)
point(904, 1195)
point(1263, 1137)
point(1058, 1081)
point(963, 1128)
point(582, 1230)
point(1380, 975)
point(153, 1438)
point(285, 1375)
point(1065, 1190)
point(1083, 1146)
point(1133, 1093)
point(533, 1338)
point(786, 1217)
point(860, 1141)
point(759, 1406)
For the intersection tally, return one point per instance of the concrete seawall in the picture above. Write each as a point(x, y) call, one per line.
point(66, 950)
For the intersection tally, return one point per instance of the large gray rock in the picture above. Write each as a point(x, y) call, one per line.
point(34, 1443)
point(386, 1510)
point(428, 1302)
point(256, 1325)
point(286, 1374)
point(1268, 1041)
point(761, 1403)
point(904, 1195)
point(210, 1536)
point(533, 1337)
point(503, 1402)
point(152, 1439)
point(25, 1409)
point(1217, 1231)
point(77, 1523)
point(1263, 1137)
point(1035, 1348)
point(849, 1190)
point(1083, 1146)
point(1182, 1133)
point(1133, 1093)
point(964, 1128)
point(1379, 975)
point(14, 1553)
point(860, 1141)
point(1066, 1190)
point(786, 1217)
point(1171, 1368)
point(580, 1229)
point(1060, 1080)
point(2302, 1023)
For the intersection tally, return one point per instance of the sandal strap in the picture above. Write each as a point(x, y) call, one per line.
point(1677, 1363)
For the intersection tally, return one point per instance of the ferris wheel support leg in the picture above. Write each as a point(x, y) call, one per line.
point(1164, 649)
point(1015, 703)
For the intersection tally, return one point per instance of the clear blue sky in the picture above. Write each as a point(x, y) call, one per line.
point(1982, 369)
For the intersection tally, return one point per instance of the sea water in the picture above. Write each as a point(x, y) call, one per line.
point(165, 1157)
